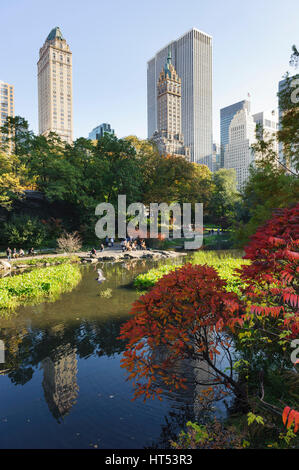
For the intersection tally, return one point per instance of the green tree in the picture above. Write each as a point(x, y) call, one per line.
point(224, 198)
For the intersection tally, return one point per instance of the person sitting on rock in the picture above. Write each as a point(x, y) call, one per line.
point(93, 252)
point(143, 245)
point(14, 253)
point(21, 252)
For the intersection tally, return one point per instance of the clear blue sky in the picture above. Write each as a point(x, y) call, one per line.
point(112, 41)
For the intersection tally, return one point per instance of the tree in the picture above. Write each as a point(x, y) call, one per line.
point(11, 184)
point(288, 134)
point(224, 198)
point(15, 136)
point(182, 318)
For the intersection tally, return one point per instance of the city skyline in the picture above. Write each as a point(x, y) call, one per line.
point(99, 97)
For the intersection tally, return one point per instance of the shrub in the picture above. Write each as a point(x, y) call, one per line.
point(23, 231)
point(70, 242)
point(184, 315)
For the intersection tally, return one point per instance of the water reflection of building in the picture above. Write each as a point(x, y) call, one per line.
point(60, 381)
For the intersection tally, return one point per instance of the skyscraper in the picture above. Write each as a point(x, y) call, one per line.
point(268, 122)
point(6, 102)
point(226, 116)
point(100, 130)
point(6, 108)
point(238, 153)
point(55, 87)
point(168, 137)
point(192, 60)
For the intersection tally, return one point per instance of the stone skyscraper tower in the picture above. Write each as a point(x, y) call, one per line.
point(168, 137)
point(192, 60)
point(55, 99)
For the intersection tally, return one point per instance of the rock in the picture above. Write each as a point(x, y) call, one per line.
point(108, 257)
point(5, 265)
point(89, 260)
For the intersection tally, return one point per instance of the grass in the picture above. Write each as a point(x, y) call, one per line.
point(225, 263)
point(39, 285)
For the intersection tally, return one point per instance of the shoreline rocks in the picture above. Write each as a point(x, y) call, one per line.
point(131, 255)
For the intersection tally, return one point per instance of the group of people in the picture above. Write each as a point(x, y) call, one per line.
point(212, 231)
point(128, 244)
point(131, 245)
point(109, 241)
point(17, 254)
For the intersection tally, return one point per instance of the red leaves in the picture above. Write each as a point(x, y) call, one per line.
point(181, 313)
point(271, 278)
point(290, 416)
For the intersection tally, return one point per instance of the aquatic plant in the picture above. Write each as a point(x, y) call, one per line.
point(225, 263)
point(41, 284)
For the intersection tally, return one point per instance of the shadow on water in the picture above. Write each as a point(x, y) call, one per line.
point(62, 386)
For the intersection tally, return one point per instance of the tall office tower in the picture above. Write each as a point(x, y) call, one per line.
point(238, 154)
point(6, 109)
point(226, 116)
point(100, 130)
point(168, 137)
point(268, 123)
point(7, 103)
point(192, 60)
point(55, 87)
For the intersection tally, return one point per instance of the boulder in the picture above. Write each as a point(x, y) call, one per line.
point(5, 265)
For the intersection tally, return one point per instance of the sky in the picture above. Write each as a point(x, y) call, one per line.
point(112, 41)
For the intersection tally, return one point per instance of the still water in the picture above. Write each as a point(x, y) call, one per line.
point(62, 385)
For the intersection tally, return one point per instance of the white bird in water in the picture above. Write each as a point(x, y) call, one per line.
point(100, 277)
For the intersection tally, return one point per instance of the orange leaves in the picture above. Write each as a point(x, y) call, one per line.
point(290, 416)
point(271, 277)
point(184, 308)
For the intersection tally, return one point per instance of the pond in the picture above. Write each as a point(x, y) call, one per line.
point(62, 385)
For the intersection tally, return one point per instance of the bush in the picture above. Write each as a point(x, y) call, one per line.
point(70, 242)
point(24, 232)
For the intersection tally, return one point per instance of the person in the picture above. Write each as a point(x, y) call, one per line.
point(14, 253)
point(102, 247)
point(143, 245)
point(106, 240)
point(139, 243)
point(123, 244)
point(112, 241)
point(21, 252)
point(93, 252)
point(8, 253)
point(31, 251)
point(218, 231)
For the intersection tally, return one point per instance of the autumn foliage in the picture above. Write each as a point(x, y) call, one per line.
point(272, 277)
point(189, 315)
point(182, 317)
